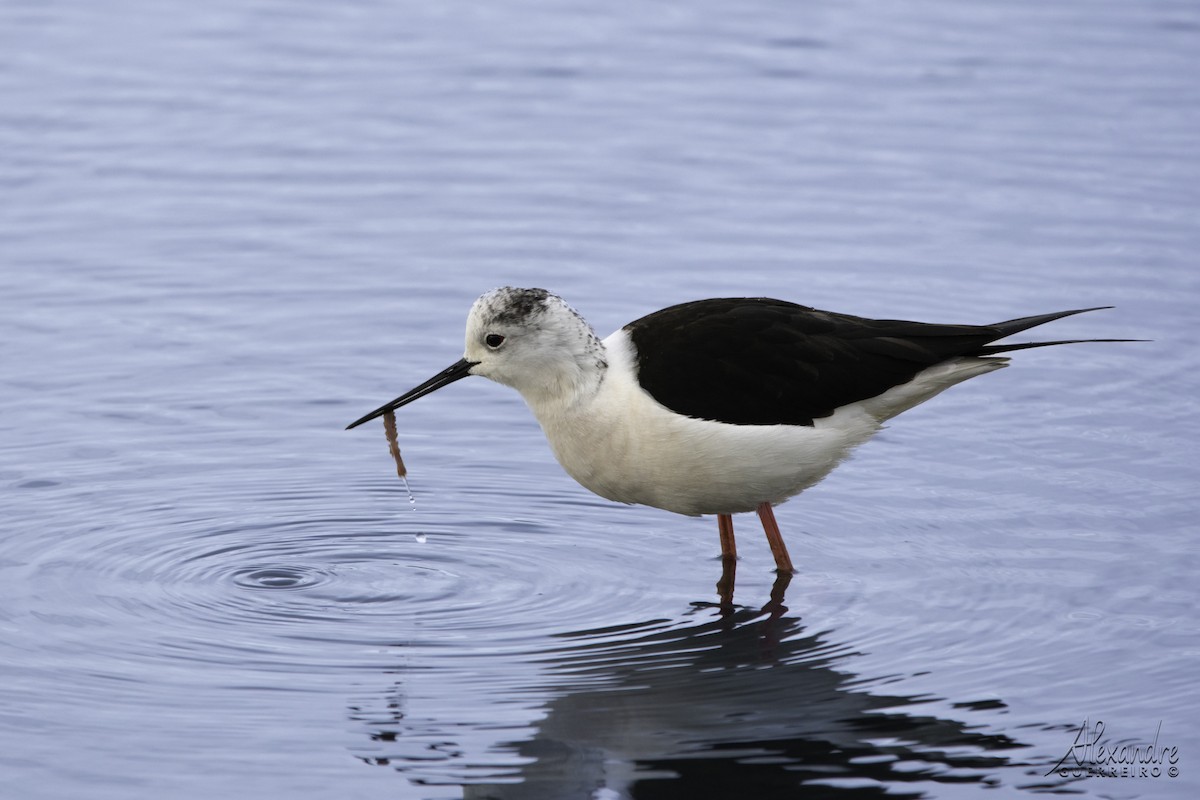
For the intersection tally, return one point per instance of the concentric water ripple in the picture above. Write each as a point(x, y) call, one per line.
point(336, 583)
point(276, 577)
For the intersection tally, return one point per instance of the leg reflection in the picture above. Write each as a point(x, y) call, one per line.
point(725, 585)
point(775, 606)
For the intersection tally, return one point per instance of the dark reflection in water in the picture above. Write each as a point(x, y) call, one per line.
point(738, 703)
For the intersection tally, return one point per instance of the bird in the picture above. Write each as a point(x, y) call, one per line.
point(718, 406)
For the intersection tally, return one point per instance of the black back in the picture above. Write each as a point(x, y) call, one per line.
point(757, 361)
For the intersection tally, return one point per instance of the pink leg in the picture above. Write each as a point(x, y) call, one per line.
point(725, 528)
point(783, 562)
point(728, 562)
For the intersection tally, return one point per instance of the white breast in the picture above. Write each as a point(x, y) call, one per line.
point(623, 445)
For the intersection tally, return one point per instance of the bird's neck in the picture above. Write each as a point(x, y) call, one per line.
point(568, 386)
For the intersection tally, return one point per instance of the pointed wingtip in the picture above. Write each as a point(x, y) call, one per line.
point(992, 349)
point(1014, 326)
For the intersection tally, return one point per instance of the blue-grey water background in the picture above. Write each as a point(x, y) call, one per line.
point(229, 228)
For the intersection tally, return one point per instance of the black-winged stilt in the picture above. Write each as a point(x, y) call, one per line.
point(716, 406)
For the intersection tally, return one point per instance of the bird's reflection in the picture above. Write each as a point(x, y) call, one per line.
point(738, 703)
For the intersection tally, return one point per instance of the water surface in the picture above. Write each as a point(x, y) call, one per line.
point(229, 229)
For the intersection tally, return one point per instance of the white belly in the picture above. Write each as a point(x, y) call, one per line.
point(623, 445)
point(694, 466)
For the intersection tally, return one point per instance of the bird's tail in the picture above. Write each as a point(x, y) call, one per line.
point(1013, 326)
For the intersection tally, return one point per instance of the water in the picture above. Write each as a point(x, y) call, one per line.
point(229, 229)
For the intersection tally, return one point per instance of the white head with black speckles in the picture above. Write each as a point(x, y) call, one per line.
point(531, 340)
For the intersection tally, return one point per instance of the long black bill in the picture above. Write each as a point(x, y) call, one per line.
point(456, 371)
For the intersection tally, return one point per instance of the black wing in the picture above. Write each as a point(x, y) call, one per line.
point(757, 361)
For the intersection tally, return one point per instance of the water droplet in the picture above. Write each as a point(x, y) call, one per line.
point(421, 538)
point(412, 501)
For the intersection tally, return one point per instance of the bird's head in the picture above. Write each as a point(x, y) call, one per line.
point(533, 341)
point(528, 339)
